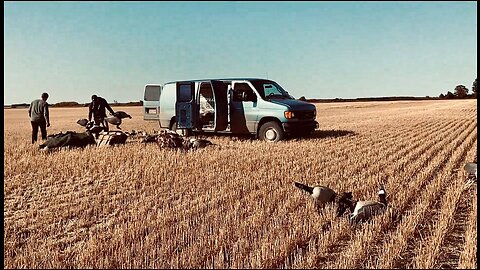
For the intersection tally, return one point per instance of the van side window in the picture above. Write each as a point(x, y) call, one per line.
point(270, 89)
point(242, 92)
point(185, 93)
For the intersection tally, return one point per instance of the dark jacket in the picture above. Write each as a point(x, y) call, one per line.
point(97, 108)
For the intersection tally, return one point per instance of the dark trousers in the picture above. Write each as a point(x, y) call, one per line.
point(43, 130)
point(101, 122)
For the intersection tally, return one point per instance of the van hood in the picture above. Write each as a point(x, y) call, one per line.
point(294, 105)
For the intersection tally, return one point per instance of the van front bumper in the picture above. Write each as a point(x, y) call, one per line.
point(300, 127)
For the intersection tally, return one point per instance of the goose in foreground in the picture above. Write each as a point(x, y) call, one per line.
point(321, 194)
point(364, 210)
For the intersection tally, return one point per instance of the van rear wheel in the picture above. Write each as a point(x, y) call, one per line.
point(271, 132)
point(173, 124)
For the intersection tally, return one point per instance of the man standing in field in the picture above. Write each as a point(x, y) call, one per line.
point(39, 117)
point(97, 109)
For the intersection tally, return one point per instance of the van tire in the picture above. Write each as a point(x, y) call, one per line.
point(271, 132)
point(173, 125)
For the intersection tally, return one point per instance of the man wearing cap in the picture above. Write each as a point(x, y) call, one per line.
point(39, 117)
point(97, 109)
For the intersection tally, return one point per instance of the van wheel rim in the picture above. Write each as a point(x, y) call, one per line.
point(271, 134)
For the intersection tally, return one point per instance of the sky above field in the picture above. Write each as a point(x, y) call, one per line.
point(314, 49)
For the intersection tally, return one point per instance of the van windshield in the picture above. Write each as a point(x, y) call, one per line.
point(270, 89)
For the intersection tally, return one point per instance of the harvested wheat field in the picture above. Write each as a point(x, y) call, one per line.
point(234, 205)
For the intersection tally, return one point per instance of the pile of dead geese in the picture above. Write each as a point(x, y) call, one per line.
point(95, 134)
point(164, 139)
point(170, 139)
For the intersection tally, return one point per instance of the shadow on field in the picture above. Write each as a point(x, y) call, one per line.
point(318, 134)
point(236, 137)
point(331, 133)
point(323, 134)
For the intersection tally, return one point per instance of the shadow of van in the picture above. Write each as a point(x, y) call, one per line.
point(317, 134)
point(324, 134)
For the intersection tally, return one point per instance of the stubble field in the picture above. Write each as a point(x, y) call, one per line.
point(233, 205)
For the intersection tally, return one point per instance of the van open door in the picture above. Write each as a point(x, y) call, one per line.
point(221, 105)
point(185, 105)
point(151, 102)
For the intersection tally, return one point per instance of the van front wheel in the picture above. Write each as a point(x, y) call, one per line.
point(271, 132)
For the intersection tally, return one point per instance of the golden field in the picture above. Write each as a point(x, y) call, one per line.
point(233, 205)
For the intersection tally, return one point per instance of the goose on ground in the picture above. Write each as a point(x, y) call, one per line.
point(170, 140)
point(149, 138)
point(471, 168)
point(132, 133)
point(172, 132)
point(321, 194)
point(195, 143)
point(364, 210)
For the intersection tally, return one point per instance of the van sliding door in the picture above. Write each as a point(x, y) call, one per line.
point(185, 105)
point(221, 105)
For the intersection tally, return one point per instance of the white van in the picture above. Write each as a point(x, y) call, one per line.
point(235, 105)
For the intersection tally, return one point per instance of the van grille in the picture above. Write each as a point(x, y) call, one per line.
point(305, 114)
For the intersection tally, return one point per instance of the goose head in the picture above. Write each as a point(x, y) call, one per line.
point(382, 195)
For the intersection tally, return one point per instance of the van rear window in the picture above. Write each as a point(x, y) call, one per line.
point(152, 93)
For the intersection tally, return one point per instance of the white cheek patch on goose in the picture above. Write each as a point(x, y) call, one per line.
point(381, 192)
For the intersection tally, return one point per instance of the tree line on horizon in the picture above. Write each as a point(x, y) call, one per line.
point(76, 104)
point(461, 91)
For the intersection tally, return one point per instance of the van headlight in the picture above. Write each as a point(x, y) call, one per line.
point(289, 114)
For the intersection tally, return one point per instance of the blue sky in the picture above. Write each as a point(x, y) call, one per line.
point(314, 49)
